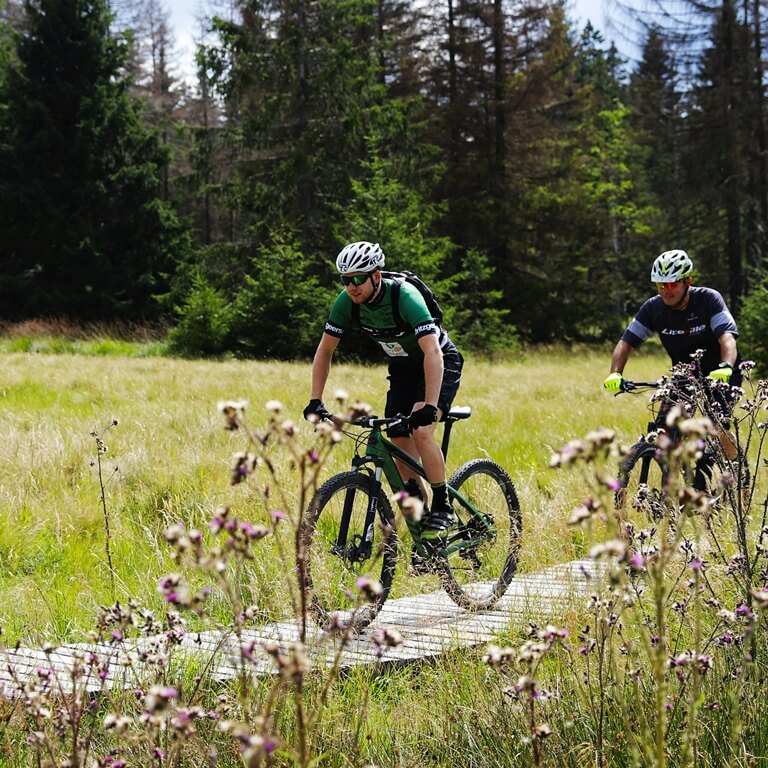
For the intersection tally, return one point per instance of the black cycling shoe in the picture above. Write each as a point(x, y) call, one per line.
point(437, 523)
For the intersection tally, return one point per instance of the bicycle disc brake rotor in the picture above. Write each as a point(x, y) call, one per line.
point(357, 552)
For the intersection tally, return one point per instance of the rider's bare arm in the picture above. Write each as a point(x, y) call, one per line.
point(728, 352)
point(321, 364)
point(620, 356)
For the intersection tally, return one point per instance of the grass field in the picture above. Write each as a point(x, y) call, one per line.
point(168, 456)
point(83, 528)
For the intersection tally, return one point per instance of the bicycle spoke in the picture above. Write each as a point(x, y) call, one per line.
point(340, 551)
point(479, 557)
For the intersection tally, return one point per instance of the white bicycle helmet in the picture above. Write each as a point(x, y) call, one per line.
point(360, 257)
point(671, 266)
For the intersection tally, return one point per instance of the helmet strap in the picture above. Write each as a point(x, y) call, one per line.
point(376, 289)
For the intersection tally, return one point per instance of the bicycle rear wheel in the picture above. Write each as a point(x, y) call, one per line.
point(479, 557)
point(340, 549)
point(643, 480)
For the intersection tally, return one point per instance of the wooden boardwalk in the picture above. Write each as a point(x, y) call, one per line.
point(428, 624)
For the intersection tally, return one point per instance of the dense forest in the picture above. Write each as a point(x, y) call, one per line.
point(520, 165)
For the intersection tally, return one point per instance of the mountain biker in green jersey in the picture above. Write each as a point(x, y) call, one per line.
point(424, 368)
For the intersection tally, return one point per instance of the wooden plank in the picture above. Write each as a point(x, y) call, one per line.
point(429, 624)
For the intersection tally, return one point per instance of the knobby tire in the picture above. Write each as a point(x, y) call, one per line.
point(477, 575)
point(642, 480)
point(332, 563)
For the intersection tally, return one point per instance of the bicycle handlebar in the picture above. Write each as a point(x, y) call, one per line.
point(368, 422)
point(635, 386)
point(456, 413)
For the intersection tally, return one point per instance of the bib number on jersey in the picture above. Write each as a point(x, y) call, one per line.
point(393, 348)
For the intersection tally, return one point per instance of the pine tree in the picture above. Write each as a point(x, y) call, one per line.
point(83, 232)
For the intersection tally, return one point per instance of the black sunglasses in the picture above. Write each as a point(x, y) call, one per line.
point(354, 279)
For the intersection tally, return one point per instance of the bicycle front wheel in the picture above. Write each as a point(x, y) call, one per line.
point(642, 480)
point(479, 557)
point(348, 558)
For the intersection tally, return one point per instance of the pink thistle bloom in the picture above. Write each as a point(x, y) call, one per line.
point(216, 524)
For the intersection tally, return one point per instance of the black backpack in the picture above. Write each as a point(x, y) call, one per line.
point(406, 276)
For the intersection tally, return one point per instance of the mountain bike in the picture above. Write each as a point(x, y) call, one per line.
point(349, 536)
point(644, 475)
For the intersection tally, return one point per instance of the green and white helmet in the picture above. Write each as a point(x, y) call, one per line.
point(360, 257)
point(671, 266)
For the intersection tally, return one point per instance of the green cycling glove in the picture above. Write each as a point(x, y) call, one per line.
point(613, 383)
point(723, 373)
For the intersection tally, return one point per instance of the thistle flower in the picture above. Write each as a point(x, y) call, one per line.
point(614, 548)
point(579, 515)
point(760, 596)
point(412, 507)
point(525, 683)
point(159, 698)
point(496, 657)
point(360, 410)
point(115, 721)
point(371, 588)
point(386, 637)
point(243, 464)
point(233, 412)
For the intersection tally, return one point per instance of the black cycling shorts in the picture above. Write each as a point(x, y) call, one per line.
point(406, 386)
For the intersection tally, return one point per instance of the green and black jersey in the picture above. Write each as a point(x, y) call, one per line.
point(378, 320)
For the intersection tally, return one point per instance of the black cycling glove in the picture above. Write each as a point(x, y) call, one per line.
point(316, 408)
point(427, 414)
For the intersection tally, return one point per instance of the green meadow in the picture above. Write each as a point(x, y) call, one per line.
point(167, 458)
point(102, 454)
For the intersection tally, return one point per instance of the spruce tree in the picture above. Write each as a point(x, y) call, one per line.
point(82, 231)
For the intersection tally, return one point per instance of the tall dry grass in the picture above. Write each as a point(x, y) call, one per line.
point(167, 459)
point(653, 671)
